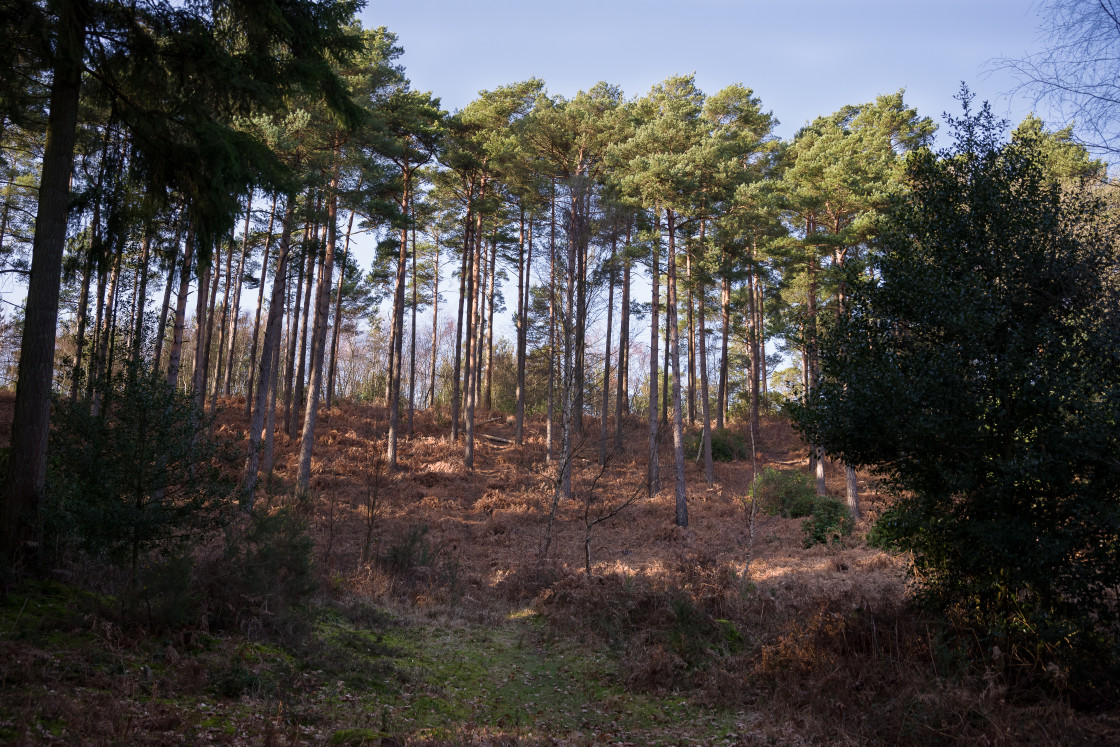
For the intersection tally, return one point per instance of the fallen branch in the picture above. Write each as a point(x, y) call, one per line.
point(495, 438)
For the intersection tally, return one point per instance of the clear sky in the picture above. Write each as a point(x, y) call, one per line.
point(803, 58)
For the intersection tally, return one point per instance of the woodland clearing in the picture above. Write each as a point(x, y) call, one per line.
point(436, 621)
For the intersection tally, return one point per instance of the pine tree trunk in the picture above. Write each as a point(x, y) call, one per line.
point(98, 316)
point(249, 398)
point(269, 361)
point(621, 399)
point(176, 351)
point(80, 336)
point(301, 351)
point(142, 296)
point(551, 327)
point(691, 334)
point(161, 327)
point(490, 326)
point(655, 278)
point(705, 415)
point(412, 334)
point(235, 307)
point(221, 339)
point(206, 330)
point(456, 374)
point(293, 329)
point(471, 348)
point(322, 310)
point(674, 354)
point(338, 314)
point(725, 327)
point(397, 338)
point(522, 277)
point(607, 354)
point(435, 328)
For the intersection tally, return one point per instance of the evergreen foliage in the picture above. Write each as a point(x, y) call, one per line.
point(978, 369)
point(142, 475)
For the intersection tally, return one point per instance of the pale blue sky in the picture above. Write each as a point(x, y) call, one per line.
point(803, 58)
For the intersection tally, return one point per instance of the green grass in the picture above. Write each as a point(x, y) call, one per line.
point(357, 678)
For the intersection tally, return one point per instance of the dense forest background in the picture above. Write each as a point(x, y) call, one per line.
point(614, 278)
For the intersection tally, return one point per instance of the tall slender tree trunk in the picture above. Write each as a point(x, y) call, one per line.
point(691, 334)
point(607, 353)
point(621, 400)
point(674, 354)
point(293, 328)
point(161, 327)
point(457, 369)
point(301, 350)
point(202, 376)
point(322, 310)
point(249, 398)
point(80, 336)
point(702, 344)
point(551, 326)
point(725, 326)
point(412, 334)
point(435, 326)
point(142, 295)
point(235, 316)
point(338, 314)
point(655, 277)
point(397, 338)
point(470, 353)
point(522, 278)
point(176, 350)
point(269, 360)
point(490, 325)
point(221, 338)
point(753, 334)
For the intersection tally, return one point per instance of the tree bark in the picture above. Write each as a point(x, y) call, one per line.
point(235, 316)
point(301, 351)
point(674, 354)
point(322, 310)
point(338, 314)
point(621, 399)
point(176, 351)
point(691, 334)
point(141, 295)
point(457, 370)
point(269, 361)
point(161, 327)
point(293, 329)
point(655, 278)
point(80, 336)
point(397, 339)
point(221, 339)
point(607, 354)
point(725, 326)
point(257, 316)
point(412, 334)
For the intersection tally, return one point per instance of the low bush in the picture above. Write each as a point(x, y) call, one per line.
point(786, 493)
point(727, 445)
point(830, 523)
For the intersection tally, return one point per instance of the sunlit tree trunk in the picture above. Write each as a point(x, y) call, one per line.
point(269, 361)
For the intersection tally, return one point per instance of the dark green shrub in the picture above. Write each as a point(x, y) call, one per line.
point(727, 445)
point(786, 493)
point(978, 370)
point(265, 577)
point(830, 523)
point(140, 477)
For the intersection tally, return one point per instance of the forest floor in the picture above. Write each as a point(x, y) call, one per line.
point(438, 621)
